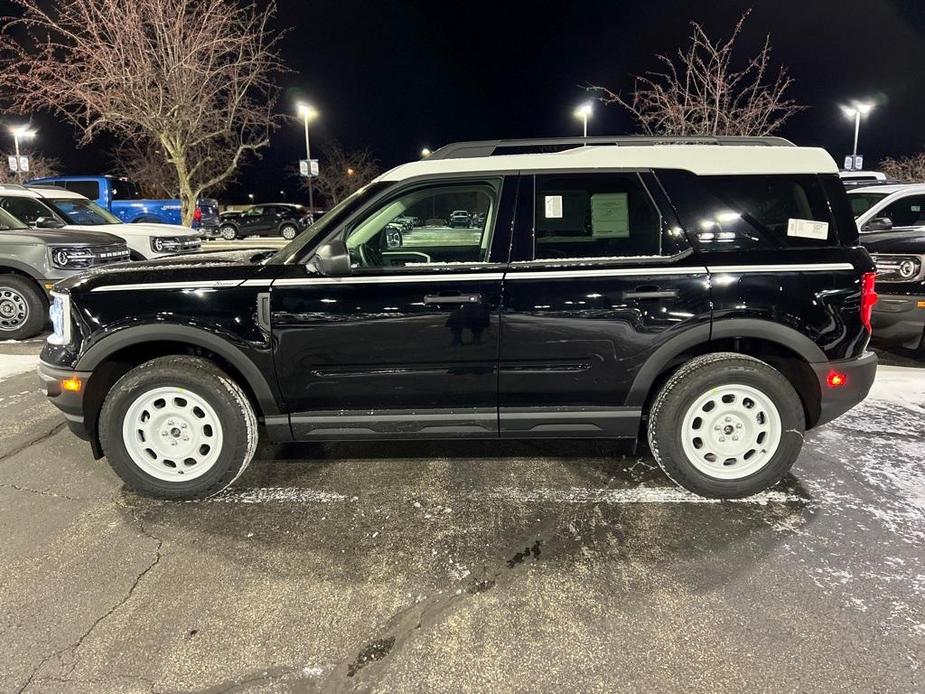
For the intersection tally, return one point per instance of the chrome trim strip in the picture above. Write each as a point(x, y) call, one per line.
point(791, 267)
point(605, 272)
point(389, 279)
point(216, 284)
point(257, 283)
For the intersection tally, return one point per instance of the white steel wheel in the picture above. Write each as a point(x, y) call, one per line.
point(172, 434)
point(731, 431)
point(289, 232)
point(14, 309)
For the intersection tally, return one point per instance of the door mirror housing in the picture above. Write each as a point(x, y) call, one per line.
point(332, 259)
point(879, 224)
point(48, 223)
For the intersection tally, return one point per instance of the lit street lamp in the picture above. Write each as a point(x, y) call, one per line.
point(584, 112)
point(308, 113)
point(425, 153)
point(856, 111)
point(251, 197)
point(20, 132)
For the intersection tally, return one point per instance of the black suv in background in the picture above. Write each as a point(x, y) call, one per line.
point(705, 293)
point(276, 219)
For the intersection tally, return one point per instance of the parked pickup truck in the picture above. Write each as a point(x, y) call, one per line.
point(120, 196)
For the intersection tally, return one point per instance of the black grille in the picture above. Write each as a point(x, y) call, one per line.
point(104, 255)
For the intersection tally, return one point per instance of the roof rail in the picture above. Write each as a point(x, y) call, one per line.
point(488, 148)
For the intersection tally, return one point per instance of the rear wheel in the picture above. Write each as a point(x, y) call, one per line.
point(726, 425)
point(288, 231)
point(22, 308)
point(178, 428)
point(228, 232)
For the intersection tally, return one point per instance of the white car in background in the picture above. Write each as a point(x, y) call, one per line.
point(885, 207)
point(145, 240)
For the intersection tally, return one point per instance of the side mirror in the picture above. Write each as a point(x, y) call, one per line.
point(879, 224)
point(332, 259)
point(48, 223)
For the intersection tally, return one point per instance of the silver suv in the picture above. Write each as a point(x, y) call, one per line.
point(32, 260)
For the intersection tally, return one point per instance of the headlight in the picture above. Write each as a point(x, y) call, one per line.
point(899, 268)
point(71, 257)
point(60, 314)
point(165, 244)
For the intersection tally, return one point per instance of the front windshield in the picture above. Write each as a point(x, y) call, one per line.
point(317, 231)
point(80, 211)
point(8, 222)
point(861, 202)
point(27, 209)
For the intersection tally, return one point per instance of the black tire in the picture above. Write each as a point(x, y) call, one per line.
point(202, 378)
point(696, 378)
point(228, 232)
point(288, 231)
point(23, 309)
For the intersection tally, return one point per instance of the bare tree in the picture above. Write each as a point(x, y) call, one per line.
point(341, 172)
point(701, 93)
point(40, 166)
point(909, 169)
point(194, 76)
point(143, 161)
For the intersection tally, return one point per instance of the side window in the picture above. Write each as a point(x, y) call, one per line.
point(444, 224)
point(906, 212)
point(752, 211)
point(594, 216)
point(89, 189)
point(27, 209)
point(255, 212)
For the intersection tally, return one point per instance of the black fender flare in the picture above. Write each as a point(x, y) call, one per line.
point(196, 337)
point(702, 334)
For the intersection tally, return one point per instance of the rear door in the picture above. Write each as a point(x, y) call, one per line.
point(408, 343)
point(601, 277)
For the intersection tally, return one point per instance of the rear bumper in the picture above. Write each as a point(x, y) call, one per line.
point(859, 376)
point(899, 319)
point(69, 402)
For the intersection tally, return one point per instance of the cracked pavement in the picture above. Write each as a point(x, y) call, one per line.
point(553, 566)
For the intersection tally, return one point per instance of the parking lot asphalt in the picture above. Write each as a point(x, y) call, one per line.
point(524, 567)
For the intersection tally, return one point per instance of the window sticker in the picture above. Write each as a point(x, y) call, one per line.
point(553, 207)
point(808, 229)
point(610, 216)
point(916, 208)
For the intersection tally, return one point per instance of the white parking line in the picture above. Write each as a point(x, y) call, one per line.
point(15, 364)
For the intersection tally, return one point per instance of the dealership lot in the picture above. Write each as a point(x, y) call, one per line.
point(436, 566)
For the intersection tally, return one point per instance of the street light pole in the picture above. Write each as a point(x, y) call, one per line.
point(584, 112)
point(857, 130)
point(307, 113)
point(20, 132)
point(856, 111)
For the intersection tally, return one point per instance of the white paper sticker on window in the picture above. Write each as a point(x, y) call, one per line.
point(808, 229)
point(553, 207)
point(610, 215)
point(916, 208)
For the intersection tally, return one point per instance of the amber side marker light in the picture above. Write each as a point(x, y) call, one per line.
point(72, 384)
point(836, 380)
point(920, 304)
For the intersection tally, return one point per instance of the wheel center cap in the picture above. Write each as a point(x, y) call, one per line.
point(7, 309)
point(175, 432)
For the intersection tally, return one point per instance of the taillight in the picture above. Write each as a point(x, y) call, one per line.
point(868, 297)
point(197, 215)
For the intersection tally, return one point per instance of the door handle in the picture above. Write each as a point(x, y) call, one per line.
point(642, 293)
point(432, 299)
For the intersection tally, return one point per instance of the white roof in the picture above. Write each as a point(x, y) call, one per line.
point(872, 175)
point(890, 189)
point(57, 192)
point(14, 189)
point(705, 160)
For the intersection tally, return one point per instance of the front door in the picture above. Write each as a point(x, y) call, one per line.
point(408, 344)
point(600, 278)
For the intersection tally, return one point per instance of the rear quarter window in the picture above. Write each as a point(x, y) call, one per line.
point(89, 189)
point(759, 211)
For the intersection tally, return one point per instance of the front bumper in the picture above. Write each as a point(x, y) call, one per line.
point(899, 319)
point(68, 401)
point(858, 377)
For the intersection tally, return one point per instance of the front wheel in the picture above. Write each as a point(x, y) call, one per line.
point(228, 232)
point(178, 428)
point(22, 308)
point(726, 425)
point(288, 231)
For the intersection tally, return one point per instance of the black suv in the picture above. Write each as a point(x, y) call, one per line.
point(276, 219)
point(708, 294)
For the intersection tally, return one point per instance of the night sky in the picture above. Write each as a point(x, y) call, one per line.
point(398, 76)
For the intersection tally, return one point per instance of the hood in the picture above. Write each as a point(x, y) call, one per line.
point(65, 236)
point(225, 266)
point(907, 241)
point(140, 229)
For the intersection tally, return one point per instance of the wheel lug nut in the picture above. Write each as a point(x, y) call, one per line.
point(728, 419)
point(735, 438)
point(183, 425)
point(722, 438)
point(738, 426)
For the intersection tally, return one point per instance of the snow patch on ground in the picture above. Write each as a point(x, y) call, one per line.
point(631, 495)
point(284, 495)
point(15, 364)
